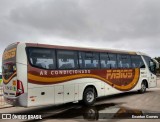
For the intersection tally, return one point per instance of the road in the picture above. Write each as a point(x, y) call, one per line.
point(121, 106)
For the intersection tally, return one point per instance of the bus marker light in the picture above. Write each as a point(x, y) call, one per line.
point(32, 96)
point(32, 100)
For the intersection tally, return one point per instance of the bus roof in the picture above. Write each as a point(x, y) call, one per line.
point(84, 48)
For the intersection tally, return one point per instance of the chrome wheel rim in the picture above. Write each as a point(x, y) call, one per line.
point(143, 87)
point(90, 96)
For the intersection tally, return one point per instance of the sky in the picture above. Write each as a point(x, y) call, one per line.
point(112, 24)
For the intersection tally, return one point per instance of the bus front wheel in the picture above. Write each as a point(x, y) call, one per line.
point(89, 96)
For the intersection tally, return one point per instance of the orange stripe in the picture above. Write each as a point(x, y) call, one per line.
point(7, 81)
point(60, 79)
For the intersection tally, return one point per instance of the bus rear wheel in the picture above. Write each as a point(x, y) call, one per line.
point(89, 96)
point(143, 87)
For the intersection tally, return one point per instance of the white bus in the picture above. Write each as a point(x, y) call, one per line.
point(38, 74)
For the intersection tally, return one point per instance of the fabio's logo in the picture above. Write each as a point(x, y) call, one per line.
point(119, 74)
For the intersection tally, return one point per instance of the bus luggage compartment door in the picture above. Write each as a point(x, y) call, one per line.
point(41, 96)
point(69, 93)
point(59, 94)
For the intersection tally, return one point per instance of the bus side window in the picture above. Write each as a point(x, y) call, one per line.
point(67, 59)
point(133, 65)
point(42, 58)
point(88, 60)
point(137, 61)
point(124, 61)
point(112, 60)
point(104, 61)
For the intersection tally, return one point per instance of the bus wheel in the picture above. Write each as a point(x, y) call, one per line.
point(89, 96)
point(143, 87)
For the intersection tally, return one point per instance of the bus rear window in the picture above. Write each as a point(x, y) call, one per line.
point(42, 58)
point(8, 69)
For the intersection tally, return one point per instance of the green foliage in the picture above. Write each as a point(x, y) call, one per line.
point(0, 81)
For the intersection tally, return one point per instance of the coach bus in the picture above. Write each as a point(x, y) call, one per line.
point(39, 74)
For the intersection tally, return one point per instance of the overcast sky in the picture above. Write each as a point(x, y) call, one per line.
point(117, 24)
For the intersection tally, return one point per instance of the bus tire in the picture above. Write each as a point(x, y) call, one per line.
point(89, 96)
point(143, 87)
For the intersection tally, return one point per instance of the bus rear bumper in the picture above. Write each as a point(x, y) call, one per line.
point(17, 101)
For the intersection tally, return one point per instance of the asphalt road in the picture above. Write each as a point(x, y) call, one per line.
point(112, 107)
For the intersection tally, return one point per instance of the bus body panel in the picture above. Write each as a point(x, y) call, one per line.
point(9, 72)
point(153, 81)
point(41, 96)
point(65, 92)
point(10, 88)
point(69, 93)
point(21, 63)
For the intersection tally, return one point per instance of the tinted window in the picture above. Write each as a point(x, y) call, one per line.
point(137, 62)
point(67, 59)
point(152, 66)
point(123, 61)
point(104, 60)
point(88, 60)
point(8, 69)
point(0, 76)
point(150, 63)
point(42, 58)
point(147, 59)
point(112, 60)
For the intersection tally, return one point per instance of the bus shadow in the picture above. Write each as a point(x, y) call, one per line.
point(120, 95)
point(93, 113)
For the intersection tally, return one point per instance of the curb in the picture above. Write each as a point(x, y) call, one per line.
point(7, 106)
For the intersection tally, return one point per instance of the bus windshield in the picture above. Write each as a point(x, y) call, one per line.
point(151, 64)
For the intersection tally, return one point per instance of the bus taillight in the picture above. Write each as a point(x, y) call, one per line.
point(20, 89)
